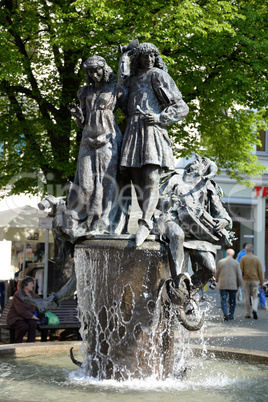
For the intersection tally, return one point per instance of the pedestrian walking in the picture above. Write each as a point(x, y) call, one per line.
point(241, 253)
point(252, 277)
point(229, 278)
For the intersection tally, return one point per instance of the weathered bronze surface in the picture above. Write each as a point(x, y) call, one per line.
point(193, 219)
point(130, 290)
point(121, 297)
point(154, 102)
point(92, 196)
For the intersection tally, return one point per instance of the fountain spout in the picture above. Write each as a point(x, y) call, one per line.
point(79, 364)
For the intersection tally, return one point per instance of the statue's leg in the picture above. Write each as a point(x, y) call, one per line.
point(206, 260)
point(79, 208)
point(146, 181)
point(67, 290)
point(176, 237)
point(136, 176)
point(151, 176)
point(119, 215)
point(107, 165)
point(185, 261)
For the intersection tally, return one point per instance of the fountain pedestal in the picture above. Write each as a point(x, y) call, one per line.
point(125, 323)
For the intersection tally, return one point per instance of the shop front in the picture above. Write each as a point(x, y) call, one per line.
point(248, 208)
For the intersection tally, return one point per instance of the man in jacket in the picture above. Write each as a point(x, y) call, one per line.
point(229, 278)
point(21, 314)
point(252, 275)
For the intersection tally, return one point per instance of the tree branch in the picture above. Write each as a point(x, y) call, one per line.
point(31, 139)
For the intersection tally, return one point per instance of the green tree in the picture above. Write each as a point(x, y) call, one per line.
point(216, 52)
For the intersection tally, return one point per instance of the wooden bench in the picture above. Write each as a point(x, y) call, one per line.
point(67, 314)
point(3, 322)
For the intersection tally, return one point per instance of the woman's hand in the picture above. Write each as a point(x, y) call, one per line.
point(75, 111)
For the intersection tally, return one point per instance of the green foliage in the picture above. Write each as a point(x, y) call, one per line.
point(216, 52)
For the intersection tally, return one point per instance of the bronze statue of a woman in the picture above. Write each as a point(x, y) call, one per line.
point(94, 190)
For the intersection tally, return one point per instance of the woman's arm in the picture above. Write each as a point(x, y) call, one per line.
point(23, 309)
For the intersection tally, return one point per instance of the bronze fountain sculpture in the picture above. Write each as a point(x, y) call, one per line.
point(132, 288)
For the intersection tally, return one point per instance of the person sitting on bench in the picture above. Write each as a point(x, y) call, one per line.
point(21, 315)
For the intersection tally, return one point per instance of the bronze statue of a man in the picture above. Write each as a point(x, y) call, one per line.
point(194, 219)
point(154, 102)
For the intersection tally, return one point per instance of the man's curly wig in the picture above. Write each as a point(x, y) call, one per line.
point(108, 74)
point(145, 48)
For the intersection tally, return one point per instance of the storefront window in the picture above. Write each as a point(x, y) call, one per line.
point(35, 252)
point(243, 224)
point(34, 262)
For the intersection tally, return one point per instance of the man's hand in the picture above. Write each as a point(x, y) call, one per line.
point(174, 198)
point(152, 118)
point(220, 224)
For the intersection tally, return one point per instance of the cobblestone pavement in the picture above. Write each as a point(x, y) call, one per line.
point(240, 333)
